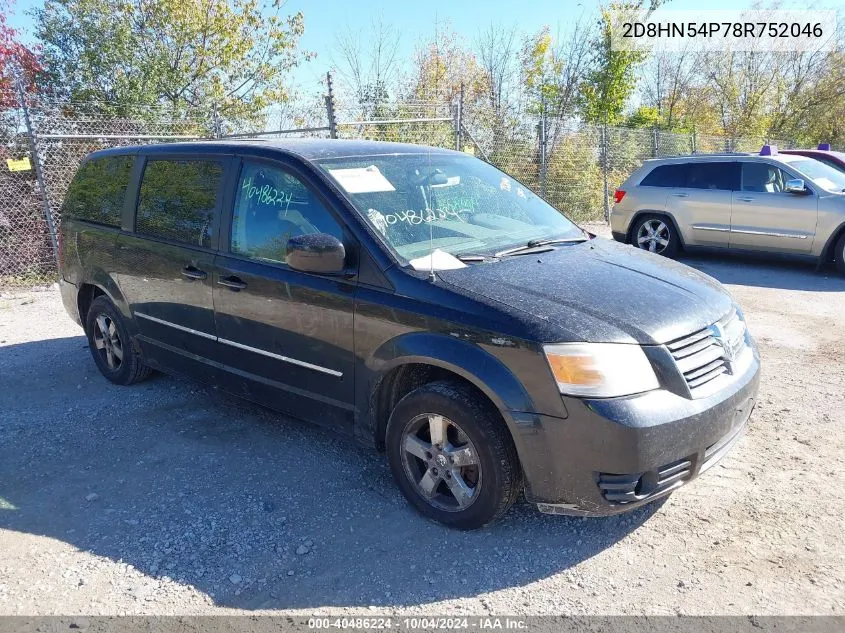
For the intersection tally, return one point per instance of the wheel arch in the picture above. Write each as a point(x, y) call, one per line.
point(404, 364)
point(101, 285)
point(664, 214)
point(827, 254)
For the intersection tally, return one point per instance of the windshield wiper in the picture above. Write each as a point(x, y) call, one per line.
point(539, 246)
point(472, 258)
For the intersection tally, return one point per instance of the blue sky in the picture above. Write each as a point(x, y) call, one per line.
point(324, 18)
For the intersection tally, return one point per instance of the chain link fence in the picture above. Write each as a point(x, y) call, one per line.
point(575, 167)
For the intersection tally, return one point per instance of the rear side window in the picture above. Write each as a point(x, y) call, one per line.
point(716, 176)
point(98, 191)
point(177, 200)
point(666, 176)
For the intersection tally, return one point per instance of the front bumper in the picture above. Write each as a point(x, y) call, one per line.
point(609, 456)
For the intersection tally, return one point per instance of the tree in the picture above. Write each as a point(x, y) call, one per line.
point(15, 60)
point(180, 53)
point(554, 68)
point(611, 82)
point(666, 86)
point(368, 69)
point(496, 52)
point(442, 65)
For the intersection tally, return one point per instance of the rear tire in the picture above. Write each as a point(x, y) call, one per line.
point(656, 234)
point(111, 346)
point(452, 455)
point(839, 254)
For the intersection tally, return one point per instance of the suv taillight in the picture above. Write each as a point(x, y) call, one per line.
point(618, 195)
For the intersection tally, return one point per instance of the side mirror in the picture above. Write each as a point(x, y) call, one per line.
point(795, 185)
point(316, 253)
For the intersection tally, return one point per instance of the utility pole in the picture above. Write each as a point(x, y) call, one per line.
point(330, 107)
point(39, 172)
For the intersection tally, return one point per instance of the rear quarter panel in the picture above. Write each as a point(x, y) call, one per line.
point(637, 200)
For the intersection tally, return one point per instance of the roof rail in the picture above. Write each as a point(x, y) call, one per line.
point(695, 154)
point(769, 150)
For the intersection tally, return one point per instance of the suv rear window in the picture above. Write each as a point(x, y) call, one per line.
point(716, 176)
point(699, 175)
point(98, 191)
point(666, 176)
point(177, 200)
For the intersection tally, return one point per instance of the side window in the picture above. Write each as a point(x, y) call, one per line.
point(271, 206)
point(718, 176)
point(177, 200)
point(763, 178)
point(98, 190)
point(666, 176)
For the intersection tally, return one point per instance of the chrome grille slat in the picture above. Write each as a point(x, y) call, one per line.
point(699, 345)
point(705, 356)
point(700, 357)
point(688, 340)
point(707, 377)
point(705, 369)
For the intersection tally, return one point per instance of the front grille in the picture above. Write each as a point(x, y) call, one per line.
point(639, 486)
point(706, 354)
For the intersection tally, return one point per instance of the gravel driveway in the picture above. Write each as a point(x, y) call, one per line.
point(168, 497)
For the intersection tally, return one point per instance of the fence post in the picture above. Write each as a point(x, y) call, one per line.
point(693, 142)
point(543, 147)
point(459, 118)
point(330, 107)
point(605, 168)
point(39, 172)
point(655, 141)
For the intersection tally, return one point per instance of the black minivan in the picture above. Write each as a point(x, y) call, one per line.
point(420, 301)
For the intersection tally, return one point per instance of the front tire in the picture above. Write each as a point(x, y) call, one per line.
point(656, 234)
point(452, 455)
point(111, 346)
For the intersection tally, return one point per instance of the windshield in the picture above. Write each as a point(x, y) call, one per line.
point(459, 205)
point(822, 175)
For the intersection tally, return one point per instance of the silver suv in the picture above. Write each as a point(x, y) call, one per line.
point(744, 202)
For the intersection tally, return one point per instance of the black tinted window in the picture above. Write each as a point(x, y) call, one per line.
point(98, 190)
point(763, 178)
point(177, 200)
point(666, 176)
point(271, 207)
point(719, 176)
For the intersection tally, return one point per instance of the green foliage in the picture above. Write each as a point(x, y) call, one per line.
point(180, 53)
point(574, 179)
point(611, 82)
point(644, 116)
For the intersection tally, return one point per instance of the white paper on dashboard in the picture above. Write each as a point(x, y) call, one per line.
point(362, 179)
point(437, 260)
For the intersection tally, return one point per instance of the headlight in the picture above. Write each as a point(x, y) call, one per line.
point(601, 370)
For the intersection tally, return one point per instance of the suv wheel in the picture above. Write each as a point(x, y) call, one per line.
point(111, 346)
point(839, 254)
point(452, 456)
point(656, 234)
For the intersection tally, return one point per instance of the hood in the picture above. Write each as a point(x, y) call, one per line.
point(600, 291)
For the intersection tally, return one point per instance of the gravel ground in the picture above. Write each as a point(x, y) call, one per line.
point(169, 498)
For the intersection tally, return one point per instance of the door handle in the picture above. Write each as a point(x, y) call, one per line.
point(232, 282)
point(746, 199)
point(194, 273)
point(681, 195)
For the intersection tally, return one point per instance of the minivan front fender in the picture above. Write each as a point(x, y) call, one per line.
point(463, 358)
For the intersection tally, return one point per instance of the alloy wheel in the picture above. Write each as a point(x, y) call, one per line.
point(107, 341)
point(653, 236)
point(441, 461)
